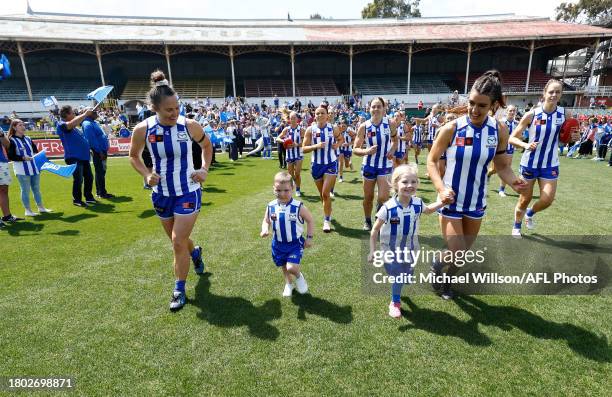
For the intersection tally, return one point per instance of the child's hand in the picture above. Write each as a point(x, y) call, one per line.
point(370, 257)
point(447, 196)
point(264, 233)
point(308, 243)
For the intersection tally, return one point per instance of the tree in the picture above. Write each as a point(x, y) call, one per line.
point(391, 9)
point(316, 16)
point(593, 12)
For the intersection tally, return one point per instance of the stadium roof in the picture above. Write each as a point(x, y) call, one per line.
point(90, 29)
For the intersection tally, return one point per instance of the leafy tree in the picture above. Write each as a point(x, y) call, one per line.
point(593, 12)
point(391, 9)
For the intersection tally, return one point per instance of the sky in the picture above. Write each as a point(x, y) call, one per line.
point(275, 9)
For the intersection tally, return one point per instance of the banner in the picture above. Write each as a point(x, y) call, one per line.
point(43, 164)
point(49, 101)
point(54, 147)
point(100, 93)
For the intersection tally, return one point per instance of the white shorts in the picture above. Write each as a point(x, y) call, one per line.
point(5, 175)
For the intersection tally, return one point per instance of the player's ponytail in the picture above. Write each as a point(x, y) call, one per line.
point(160, 88)
point(490, 84)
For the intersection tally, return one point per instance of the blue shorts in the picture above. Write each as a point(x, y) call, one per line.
point(510, 150)
point(346, 153)
point(529, 174)
point(167, 207)
point(445, 212)
point(400, 155)
point(266, 141)
point(318, 170)
point(429, 141)
point(372, 173)
point(289, 161)
point(417, 145)
point(287, 252)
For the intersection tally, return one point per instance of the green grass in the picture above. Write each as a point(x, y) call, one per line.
point(85, 293)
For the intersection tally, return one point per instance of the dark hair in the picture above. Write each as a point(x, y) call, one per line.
point(159, 88)
point(65, 111)
point(381, 99)
point(490, 84)
point(551, 81)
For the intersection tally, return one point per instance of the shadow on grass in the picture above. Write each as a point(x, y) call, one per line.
point(347, 231)
point(234, 311)
point(442, 323)
point(77, 218)
point(102, 207)
point(212, 189)
point(347, 196)
point(147, 214)
point(22, 228)
point(323, 308)
point(581, 341)
point(67, 232)
point(120, 199)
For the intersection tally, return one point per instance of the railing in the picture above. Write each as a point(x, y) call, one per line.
point(598, 91)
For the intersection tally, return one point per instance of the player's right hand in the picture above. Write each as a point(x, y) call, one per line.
point(264, 233)
point(307, 243)
point(532, 146)
point(447, 196)
point(153, 179)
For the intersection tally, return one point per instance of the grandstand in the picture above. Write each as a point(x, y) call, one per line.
point(421, 58)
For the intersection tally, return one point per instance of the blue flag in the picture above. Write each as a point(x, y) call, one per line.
point(223, 117)
point(100, 93)
point(43, 164)
point(5, 67)
point(49, 101)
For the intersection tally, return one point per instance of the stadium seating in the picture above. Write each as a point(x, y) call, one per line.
point(419, 84)
point(283, 88)
point(514, 81)
point(13, 89)
point(16, 90)
point(186, 88)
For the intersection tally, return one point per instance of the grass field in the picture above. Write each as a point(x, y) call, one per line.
point(85, 293)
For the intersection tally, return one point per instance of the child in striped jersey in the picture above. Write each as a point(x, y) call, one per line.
point(287, 217)
point(397, 224)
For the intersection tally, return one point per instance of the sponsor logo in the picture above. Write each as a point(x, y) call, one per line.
point(394, 220)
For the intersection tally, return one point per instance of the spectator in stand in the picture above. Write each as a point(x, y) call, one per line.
point(76, 151)
point(98, 143)
point(21, 153)
point(5, 181)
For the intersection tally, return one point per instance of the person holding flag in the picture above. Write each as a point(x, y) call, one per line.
point(21, 152)
point(76, 151)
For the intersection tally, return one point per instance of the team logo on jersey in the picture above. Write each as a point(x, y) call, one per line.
point(156, 138)
point(394, 220)
point(182, 136)
point(318, 134)
point(460, 141)
point(469, 141)
point(491, 141)
point(273, 217)
point(559, 122)
point(293, 217)
point(542, 121)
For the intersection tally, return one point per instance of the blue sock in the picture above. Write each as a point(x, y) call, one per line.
point(327, 218)
point(195, 254)
point(517, 225)
point(396, 292)
point(530, 212)
point(179, 285)
point(297, 188)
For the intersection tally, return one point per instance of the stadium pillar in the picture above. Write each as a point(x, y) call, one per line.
point(25, 72)
point(350, 70)
point(99, 56)
point(593, 61)
point(531, 48)
point(564, 66)
point(293, 70)
point(231, 54)
point(409, 69)
point(467, 68)
point(168, 62)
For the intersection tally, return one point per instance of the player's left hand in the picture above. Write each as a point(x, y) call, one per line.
point(199, 175)
point(519, 185)
point(308, 243)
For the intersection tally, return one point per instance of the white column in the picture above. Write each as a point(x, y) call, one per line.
point(467, 68)
point(231, 53)
point(293, 70)
point(564, 67)
point(409, 69)
point(593, 61)
point(99, 56)
point(168, 63)
point(529, 66)
point(350, 70)
point(25, 71)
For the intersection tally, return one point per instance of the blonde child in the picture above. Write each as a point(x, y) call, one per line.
point(287, 217)
point(397, 225)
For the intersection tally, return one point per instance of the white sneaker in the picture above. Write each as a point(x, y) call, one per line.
point(326, 227)
point(502, 193)
point(44, 210)
point(529, 222)
point(298, 194)
point(30, 213)
point(332, 194)
point(394, 311)
point(516, 233)
point(301, 285)
point(340, 180)
point(288, 290)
